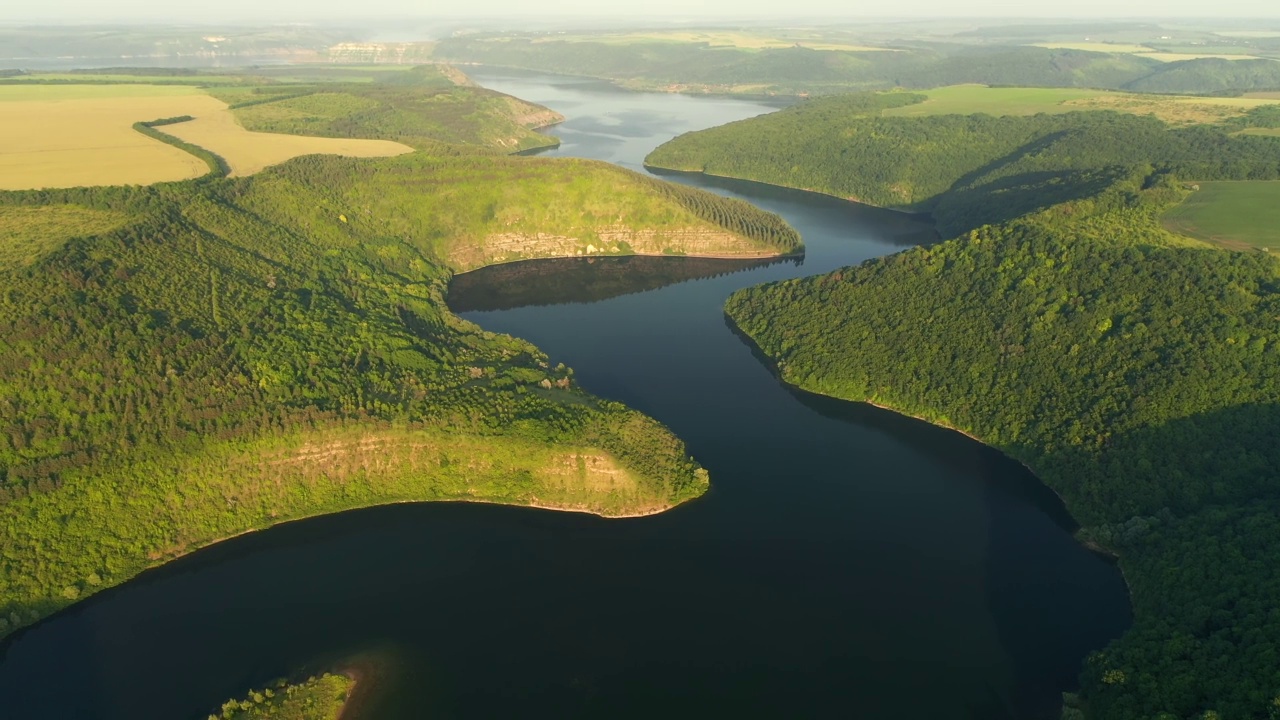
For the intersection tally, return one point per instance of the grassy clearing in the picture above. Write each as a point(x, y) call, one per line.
point(1267, 132)
point(29, 233)
point(1178, 110)
point(968, 99)
point(1235, 215)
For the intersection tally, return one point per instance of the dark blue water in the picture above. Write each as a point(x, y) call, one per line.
point(847, 562)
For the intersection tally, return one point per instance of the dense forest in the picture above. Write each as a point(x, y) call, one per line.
point(800, 70)
point(184, 362)
point(1137, 372)
point(966, 170)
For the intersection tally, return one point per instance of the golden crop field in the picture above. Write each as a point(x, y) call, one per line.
point(70, 135)
point(249, 152)
point(1105, 47)
point(73, 135)
point(741, 40)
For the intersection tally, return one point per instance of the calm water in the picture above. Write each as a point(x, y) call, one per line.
point(848, 562)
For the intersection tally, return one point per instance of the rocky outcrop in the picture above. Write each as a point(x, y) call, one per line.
point(605, 240)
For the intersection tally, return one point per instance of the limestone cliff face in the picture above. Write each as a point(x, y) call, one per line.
point(391, 53)
point(605, 240)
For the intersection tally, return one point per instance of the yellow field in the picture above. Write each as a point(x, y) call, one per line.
point(249, 152)
point(73, 135)
point(743, 40)
point(67, 135)
point(1096, 47)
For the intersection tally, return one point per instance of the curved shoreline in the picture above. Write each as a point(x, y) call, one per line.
point(15, 633)
point(761, 255)
point(659, 170)
point(772, 364)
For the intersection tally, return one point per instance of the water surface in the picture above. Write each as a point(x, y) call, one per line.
point(848, 562)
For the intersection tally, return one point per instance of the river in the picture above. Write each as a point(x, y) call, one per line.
point(847, 562)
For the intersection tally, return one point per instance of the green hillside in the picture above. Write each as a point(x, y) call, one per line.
point(967, 170)
point(420, 107)
point(217, 356)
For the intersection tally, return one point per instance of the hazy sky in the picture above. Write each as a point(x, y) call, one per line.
point(304, 10)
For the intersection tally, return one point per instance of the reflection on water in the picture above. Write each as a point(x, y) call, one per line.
point(580, 280)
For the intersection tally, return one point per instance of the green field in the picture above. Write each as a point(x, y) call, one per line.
point(968, 99)
point(1178, 110)
point(1232, 214)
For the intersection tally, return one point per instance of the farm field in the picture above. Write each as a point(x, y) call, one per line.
point(740, 40)
point(1150, 52)
point(1106, 47)
point(82, 135)
point(967, 99)
point(72, 135)
point(249, 152)
point(1235, 215)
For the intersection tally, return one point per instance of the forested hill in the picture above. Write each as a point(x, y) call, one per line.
point(183, 362)
point(1139, 375)
point(967, 170)
point(700, 66)
point(420, 107)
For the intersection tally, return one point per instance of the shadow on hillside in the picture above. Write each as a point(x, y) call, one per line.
point(965, 208)
point(583, 280)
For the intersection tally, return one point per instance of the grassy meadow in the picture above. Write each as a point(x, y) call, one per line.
point(30, 233)
point(1177, 110)
point(1235, 215)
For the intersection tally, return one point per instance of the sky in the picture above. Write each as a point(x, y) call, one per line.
point(311, 10)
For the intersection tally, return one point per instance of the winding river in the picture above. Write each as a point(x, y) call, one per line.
point(848, 562)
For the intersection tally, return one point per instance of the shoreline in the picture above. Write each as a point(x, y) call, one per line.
point(907, 213)
point(762, 255)
point(1089, 545)
point(15, 633)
